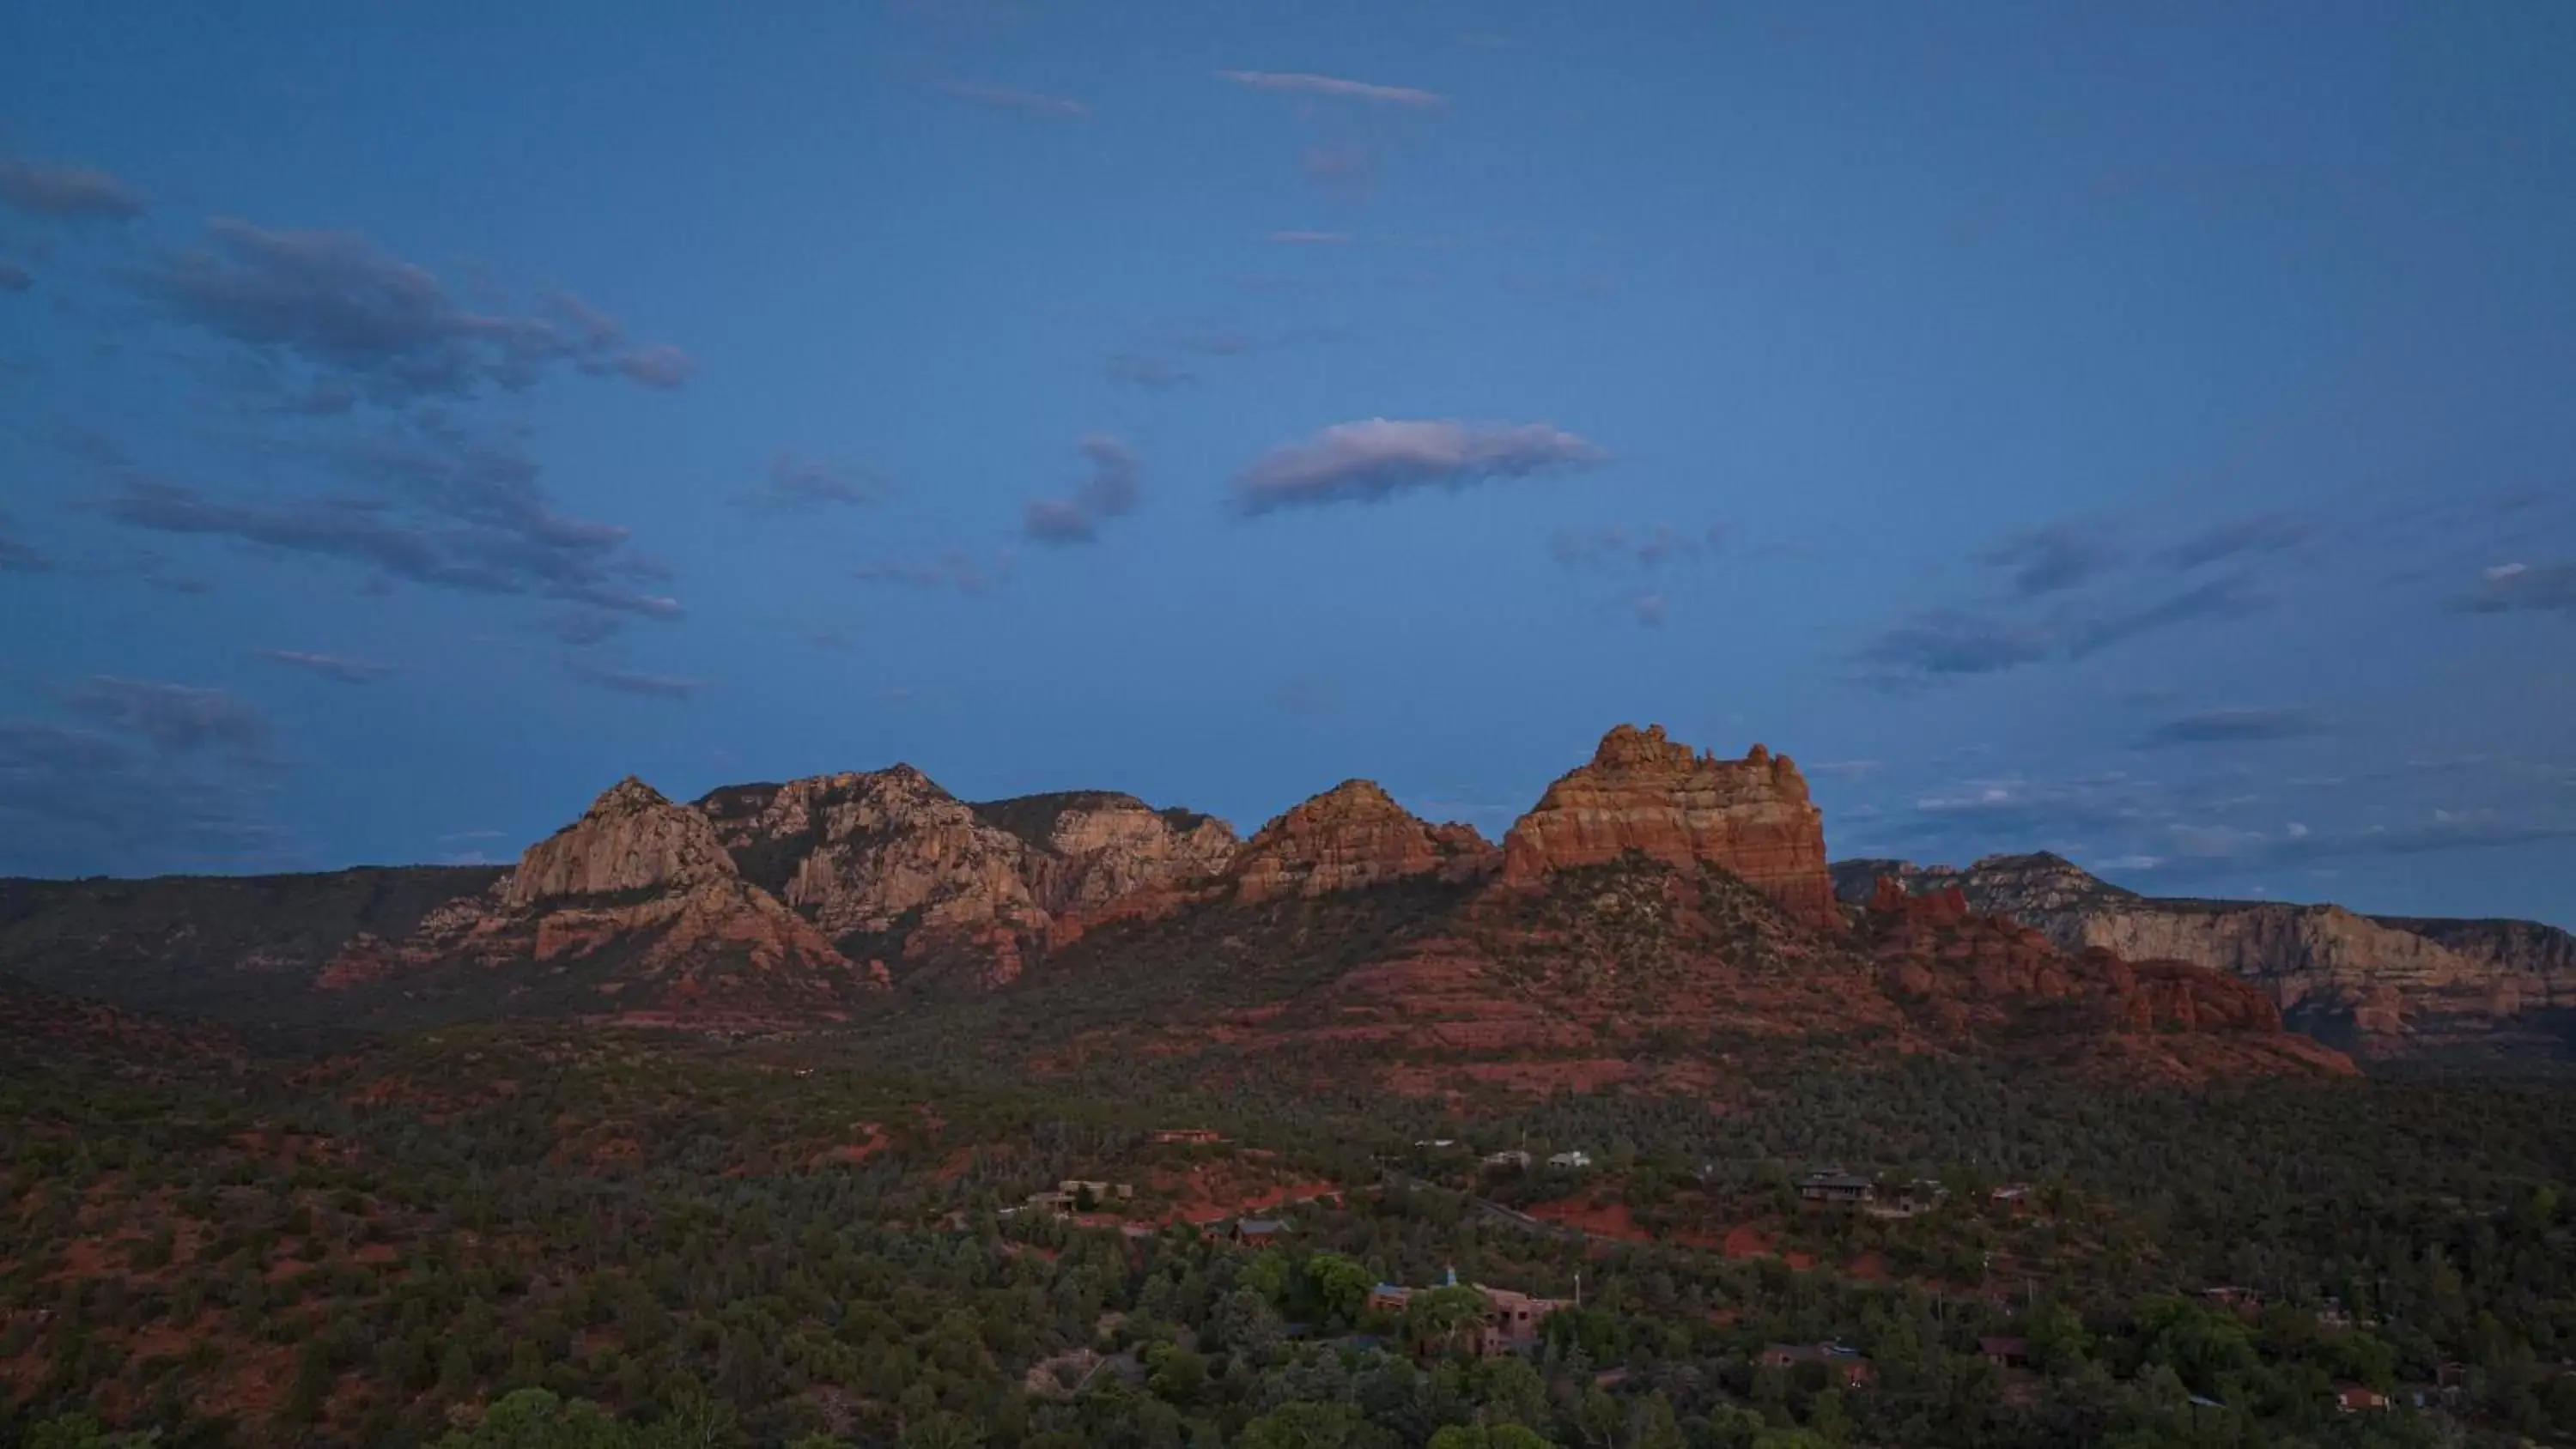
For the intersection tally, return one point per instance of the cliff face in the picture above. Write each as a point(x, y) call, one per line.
point(1642, 792)
point(2391, 987)
point(1975, 972)
point(893, 867)
point(636, 906)
point(1088, 847)
point(1350, 837)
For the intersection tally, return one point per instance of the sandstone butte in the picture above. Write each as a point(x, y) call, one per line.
point(1643, 792)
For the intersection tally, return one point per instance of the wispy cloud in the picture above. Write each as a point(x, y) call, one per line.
point(1619, 548)
point(1151, 373)
point(331, 667)
point(17, 556)
point(1954, 642)
point(1311, 238)
point(1649, 609)
point(953, 569)
point(176, 718)
point(2235, 726)
point(65, 193)
point(385, 328)
point(801, 484)
point(1308, 83)
point(448, 508)
point(627, 681)
point(1366, 461)
point(2268, 533)
point(2543, 588)
point(1019, 102)
point(2053, 559)
point(1112, 490)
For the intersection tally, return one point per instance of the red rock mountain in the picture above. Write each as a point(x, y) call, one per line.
point(1654, 905)
point(1352, 836)
point(1643, 792)
point(639, 896)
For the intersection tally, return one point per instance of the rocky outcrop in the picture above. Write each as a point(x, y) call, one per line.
point(1972, 971)
point(1088, 847)
point(641, 900)
point(879, 853)
point(1348, 838)
point(2390, 987)
point(893, 867)
point(630, 839)
point(1642, 792)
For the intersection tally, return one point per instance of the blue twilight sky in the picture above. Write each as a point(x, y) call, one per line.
point(2143, 432)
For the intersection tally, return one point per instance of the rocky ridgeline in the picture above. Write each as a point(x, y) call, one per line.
point(2388, 986)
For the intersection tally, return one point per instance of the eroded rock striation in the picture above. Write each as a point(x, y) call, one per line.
point(1643, 792)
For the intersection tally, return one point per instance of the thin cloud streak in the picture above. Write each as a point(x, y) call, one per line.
point(1308, 83)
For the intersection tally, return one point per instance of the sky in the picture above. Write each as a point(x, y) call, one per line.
point(2142, 432)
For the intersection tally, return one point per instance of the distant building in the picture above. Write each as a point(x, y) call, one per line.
point(1572, 1161)
point(1437, 1144)
point(1257, 1232)
point(2008, 1353)
point(2228, 1295)
point(1512, 1158)
point(1190, 1136)
point(1846, 1365)
point(2359, 1399)
point(1511, 1323)
point(1836, 1189)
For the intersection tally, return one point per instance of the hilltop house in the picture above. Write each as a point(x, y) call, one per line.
point(1190, 1136)
point(1510, 1157)
point(1836, 1189)
point(1572, 1161)
point(2005, 1353)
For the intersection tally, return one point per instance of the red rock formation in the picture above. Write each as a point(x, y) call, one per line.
point(1642, 792)
point(1974, 970)
point(1351, 836)
point(649, 878)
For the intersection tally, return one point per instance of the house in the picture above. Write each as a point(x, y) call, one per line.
point(1100, 1191)
point(1845, 1364)
point(1510, 1158)
point(2451, 1375)
point(1572, 1161)
point(2244, 1300)
point(2359, 1399)
point(1511, 1323)
point(1836, 1189)
point(2011, 1192)
point(1437, 1144)
point(2005, 1353)
point(1258, 1232)
point(1190, 1136)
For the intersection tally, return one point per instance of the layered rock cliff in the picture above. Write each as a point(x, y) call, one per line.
point(2388, 987)
point(1088, 847)
point(1643, 792)
point(636, 906)
point(895, 868)
point(1976, 971)
point(1348, 838)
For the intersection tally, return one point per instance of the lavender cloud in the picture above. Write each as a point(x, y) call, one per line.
point(1367, 461)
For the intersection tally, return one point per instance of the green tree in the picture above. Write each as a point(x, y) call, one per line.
point(1341, 1286)
point(537, 1419)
